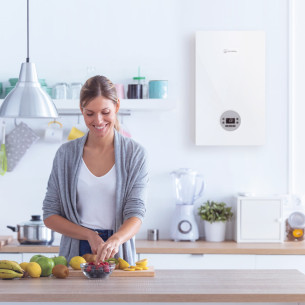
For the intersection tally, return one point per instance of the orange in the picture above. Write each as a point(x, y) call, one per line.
point(297, 233)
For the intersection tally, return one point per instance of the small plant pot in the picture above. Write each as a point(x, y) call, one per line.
point(215, 232)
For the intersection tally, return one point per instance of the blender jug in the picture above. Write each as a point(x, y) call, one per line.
point(188, 185)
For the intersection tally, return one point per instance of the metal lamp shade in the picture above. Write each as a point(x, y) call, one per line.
point(28, 99)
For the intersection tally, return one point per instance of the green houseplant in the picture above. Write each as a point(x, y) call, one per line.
point(215, 216)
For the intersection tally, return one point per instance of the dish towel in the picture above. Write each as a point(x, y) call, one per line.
point(18, 141)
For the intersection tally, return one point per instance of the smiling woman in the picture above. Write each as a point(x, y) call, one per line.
point(97, 188)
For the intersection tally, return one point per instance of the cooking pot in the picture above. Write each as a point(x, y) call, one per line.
point(33, 232)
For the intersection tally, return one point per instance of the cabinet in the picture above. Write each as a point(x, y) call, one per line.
point(280, 262)
point(259, 219)
point(200, 261)
point(12, 257)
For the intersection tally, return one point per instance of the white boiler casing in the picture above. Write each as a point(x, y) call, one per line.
point(230, 88)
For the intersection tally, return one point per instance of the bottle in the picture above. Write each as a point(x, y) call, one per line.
point(140, 80)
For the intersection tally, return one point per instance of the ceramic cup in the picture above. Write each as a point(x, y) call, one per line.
point(120, 91)
point(158, 89)
point(135, 91)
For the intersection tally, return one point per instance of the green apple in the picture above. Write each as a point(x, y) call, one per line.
point(46, 265)
point(35, 257)
point(60, 260)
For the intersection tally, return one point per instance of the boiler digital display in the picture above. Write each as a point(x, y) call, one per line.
point(230, 120)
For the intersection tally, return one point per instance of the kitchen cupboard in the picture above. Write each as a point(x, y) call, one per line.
point(12, 257)
point(225, 261)
point(281, 262)
point(200, 261)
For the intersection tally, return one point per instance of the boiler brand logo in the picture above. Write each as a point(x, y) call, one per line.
point(229, 51)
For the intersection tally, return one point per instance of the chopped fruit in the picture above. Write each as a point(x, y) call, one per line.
point(297, 233)
point(145, 268)
point(142, 262)
point(123, 264)
point(129, 269)
point(138, 268)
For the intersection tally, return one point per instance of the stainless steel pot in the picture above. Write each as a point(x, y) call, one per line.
point(33, 232)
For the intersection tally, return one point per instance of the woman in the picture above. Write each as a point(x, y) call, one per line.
point(96, 191)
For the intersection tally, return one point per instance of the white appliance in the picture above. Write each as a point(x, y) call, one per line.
point(188, 187)
point(259, 219)
point(230, 88)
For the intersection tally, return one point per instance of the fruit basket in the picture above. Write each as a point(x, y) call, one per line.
point(100, 271)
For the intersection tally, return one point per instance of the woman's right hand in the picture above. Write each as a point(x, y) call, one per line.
point(95, 241)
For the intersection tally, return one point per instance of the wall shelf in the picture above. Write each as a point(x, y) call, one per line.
point(71, 107)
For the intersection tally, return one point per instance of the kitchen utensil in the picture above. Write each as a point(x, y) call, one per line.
point(53, 132)
point(33, 232)
point(93, 271)
point(119, 273)
point(5, 240)
point(75, 133)
point(3, 160)
point(120, 91)
point(152, 234)
point(188, 188)
point(17, 143)
point(158, 89)
point(134, 91)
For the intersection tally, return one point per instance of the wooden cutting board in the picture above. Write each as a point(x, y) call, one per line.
point(4, 240)
point(119, 273)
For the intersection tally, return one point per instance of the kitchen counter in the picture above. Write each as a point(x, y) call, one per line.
point(166, 286)
point(172, 247)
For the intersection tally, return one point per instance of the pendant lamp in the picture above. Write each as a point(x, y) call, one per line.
point(28, 99)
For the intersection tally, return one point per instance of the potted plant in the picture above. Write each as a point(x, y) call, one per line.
point(215, 216)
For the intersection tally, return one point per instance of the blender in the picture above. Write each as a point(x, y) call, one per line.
point(189, 187)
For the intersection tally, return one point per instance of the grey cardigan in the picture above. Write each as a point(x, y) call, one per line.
point(131, 182)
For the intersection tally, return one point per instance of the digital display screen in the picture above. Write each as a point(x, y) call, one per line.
point(230, 120)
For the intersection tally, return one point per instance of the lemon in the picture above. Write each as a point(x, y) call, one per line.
point(138, 268)
point(297, 233)
point(33, 269)
point(23, 265)
point(123, 264)
point(145, 268)
point(142, 262)
point(76, 261)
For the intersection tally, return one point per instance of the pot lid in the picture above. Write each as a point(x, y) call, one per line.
point(35, 221)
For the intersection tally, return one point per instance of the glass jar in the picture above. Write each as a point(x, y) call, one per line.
point(60, 91)
point(75, 89)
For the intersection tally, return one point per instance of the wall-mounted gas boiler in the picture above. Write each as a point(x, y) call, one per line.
point(230, 88)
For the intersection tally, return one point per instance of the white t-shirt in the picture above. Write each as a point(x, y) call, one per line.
point(96, 199)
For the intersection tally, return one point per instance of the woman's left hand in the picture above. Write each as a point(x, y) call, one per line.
point(108, 249)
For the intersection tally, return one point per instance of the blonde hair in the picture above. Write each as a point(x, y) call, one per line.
point(99, 86)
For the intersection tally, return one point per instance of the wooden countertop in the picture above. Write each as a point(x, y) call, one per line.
point(172, 247)
point(166, 286)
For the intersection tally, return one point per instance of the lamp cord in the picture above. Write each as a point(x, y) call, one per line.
point(28, 34)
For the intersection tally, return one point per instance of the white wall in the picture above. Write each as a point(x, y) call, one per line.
point(159, 35)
